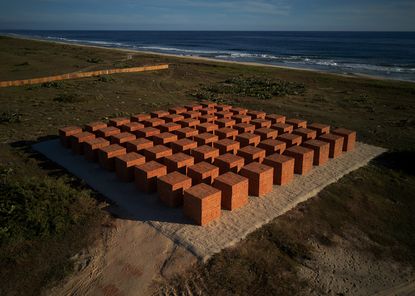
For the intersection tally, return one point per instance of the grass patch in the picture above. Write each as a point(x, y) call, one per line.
point(10, 117)
point(68, 98)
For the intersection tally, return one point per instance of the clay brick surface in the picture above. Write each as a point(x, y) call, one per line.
point(208, 105)
point(106, 155)
point(223, 107)
point(146, 174)
point(349, 138)
point(244, 127)
point(336, 144)
point(305, 133)
point(122, 138)
point(94, 126)
point(207, 127)
point(206, 139)
point(266, 133)
point(303, 158)
point(252, 153)
point(169, 127)
point(77, 141)
point(297, 123)
point(183, 145)
point(202, 172)
point(208, 118)
point(186, 132)
point(159, 113)
point(234, 190)
point(283, 168)
point(147, 132)
point(66, 132)
point(192, 114)
point(260, 178)
point(177, 110)
point(225, 122)
point(320, 128)
point(118, 121)
point(275, 118)
point(193, 107)
point(205, 153)
point(290, 139)
point(138, 145)
point(321, 151)
point(157, 152)
point(257, 114)
point(91, 148)
point(239, 111)
point(132, 127)
point(173, 118)
point(124, 165)
point(170, 188)
point(241, 118)
point(153, 122)
point(227, 146)
point(283, 128)
point(229, 163)
point(261, 123)
point(223, 114)
point(140, 117)
point(189, 122)
point(164, 138)
point(226, 132)
point(207, 111)
point(202, 203)
point(178, 162)
point(246, 139)
point(272, 146)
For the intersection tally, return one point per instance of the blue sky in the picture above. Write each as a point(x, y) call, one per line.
point(380, 15)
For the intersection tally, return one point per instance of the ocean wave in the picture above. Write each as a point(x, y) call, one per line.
point(182, 50)
point(105, 43)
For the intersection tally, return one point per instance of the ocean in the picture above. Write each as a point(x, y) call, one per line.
point(382, 54)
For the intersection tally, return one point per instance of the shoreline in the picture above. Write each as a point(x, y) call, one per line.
point(199, 58)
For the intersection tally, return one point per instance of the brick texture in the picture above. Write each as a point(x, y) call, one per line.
point(321, 151)
point(349, 138)
point(186, 132)
point(189, 122)
point(275, 118)
point(234, 190)
point(239, 118)
point(246, 139)
point(239, 111)
point(183, 145)
point(153, 122)
point(147, 132)
point(131, 127)
point(170, 188)
point(244, 127)
point(177, 110)
point(169, 127)
point(159, 113)
point(227, 146)
point(164, 138)
point(283, 128)
point(336, 144)
point(157, 152)
point(145, 175)
point(207, 127)
point(138, 145)
point(94, 126)
point(206, 139)
point(320, 128)
point(305, 133)
point(266, 133)
point(229, 163)
point(77, 141)
point(225, 122)
point(260, 123)
point(226, 132)
point(257, 114)
point(283, 168)
point(260, 178)
point(272, 146)
point(106, 155)
point(173, 118)
point(252, 153)
point(205, 153)
point(202, 172)
point(290, 139)
point(208, 118)
point(124, 165)
point(178, 162)
point(107, 132)
point(303, 158)
point(297, 123)
point(91, 148)
point(119, 121)
point(122, 138)
point(140, 117)
point(223, 114)
point(66, 132)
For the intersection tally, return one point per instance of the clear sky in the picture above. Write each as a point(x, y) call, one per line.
point(277, 15)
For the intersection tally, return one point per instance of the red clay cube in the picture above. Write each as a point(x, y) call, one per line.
point(266, 133)
point(132, 127)
point(122, 138)
point(283, 168)
point(272, 146)
point(208, 118)
point(94, 126)
point(77, 141)
point(336, 144)
point(147, 132)
point(159, 113)
point(202, 172)
point(290, 139)
point(186, 132)
point(205, 153)
point(248, 139)
point(206, 139)
point(207, 104)
point(138, 145)
point(170, 188)
point(257, 114)
point(169, 127)
point(178, 162)
point(321, 151)
point(173, 118)
point(244, 128)
point(192, 114)
point(349, 138)
point(260, 178)
point(189, 122)
point(106, 155)
point(164, 138)
point(241, 118)
point(140, 117)
point(146, 175)
point(224, 114)
point(226, 132)
point(320, 128)
point(91, 148)
point(283, 128)
point(66, 132)
point(157, 153)
point(206, 127)
point(297, 123)
point(177, 110)
point(119, 121)
point(305, 133)
point(202, 203)
point(107, 132)
point(252, 153)
point(239, 111)
point(234, 190)
point(193, 107)
point(124, 165)
point(227, 146)
point(153, 122)
point(275, 118)
point(303, 159)
point(223, 107)
point(229, 163)
point(207, 111)
point(225, 122)
point(260, 123)
point(183, 145)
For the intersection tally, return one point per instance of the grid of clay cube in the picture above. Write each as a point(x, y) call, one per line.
point(207, 157)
